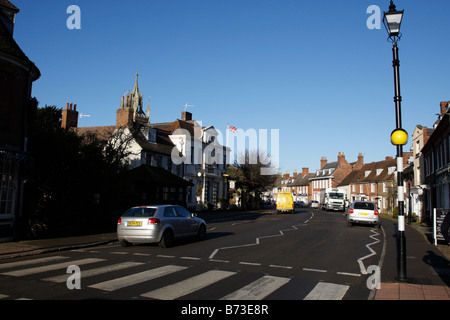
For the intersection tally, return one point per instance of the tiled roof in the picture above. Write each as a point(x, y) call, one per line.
point(9, 5)
point(10, 47)
point(372, 172)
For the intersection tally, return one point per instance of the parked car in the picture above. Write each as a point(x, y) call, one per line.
point(158, 224)
point(313, 204)
point(365, 212)
point(285, 202)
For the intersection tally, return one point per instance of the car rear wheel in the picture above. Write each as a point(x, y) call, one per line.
point(125, 243)
point(167, 239)
point(201, 233)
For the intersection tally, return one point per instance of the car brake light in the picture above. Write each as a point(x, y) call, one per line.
point(153, 221)
point(350, 211)
point(119, 221)
point(376, 212)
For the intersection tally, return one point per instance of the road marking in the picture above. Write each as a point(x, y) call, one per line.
point(28, 262)
point(372, 252)
point(187, 286)
point(136, 278)
point(191, 258)
point(280, 233)
point(222, 261)
point(3, 296)
point(164, 256)
point(327, 291)
point(314, 270)
point(349, 274)
point(96, 271)
point(282, 267)
point(258, 289)
point(56, 266)
point(250, 263)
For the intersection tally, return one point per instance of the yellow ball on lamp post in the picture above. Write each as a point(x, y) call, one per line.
point(399, 137)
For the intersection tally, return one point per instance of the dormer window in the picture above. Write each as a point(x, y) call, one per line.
point(152, 135)
point(379, 171)
point(391, 170)
point(367, 173)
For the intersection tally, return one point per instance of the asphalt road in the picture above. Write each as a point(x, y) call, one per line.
point(306, 255)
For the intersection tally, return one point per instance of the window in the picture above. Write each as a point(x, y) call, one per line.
point(364, 206)
point(152, 135)
point(182, 212)
point(169, 212)
point(372, 187)
point(8, 187)
point(140, 212)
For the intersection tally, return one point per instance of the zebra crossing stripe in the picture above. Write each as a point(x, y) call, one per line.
point(258, 289)
point(51, 267)
point(187, 286)
point(28, 262)
point(93, 272)
point(327, 291)
point(133, 279)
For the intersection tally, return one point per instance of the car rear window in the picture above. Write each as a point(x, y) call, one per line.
point(140, 212)
point(364, 206)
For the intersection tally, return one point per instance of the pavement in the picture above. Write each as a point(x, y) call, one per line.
point(428, 265)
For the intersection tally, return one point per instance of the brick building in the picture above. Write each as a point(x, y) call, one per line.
point(157, 144)
point(17, 73)
point(331, 174)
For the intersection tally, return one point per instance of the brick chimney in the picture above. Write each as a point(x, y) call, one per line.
point(186, 116)
point(124, 117)
point(323, 161)
point(305, 171)
point(359, 164)
point(69, 116)
point(444, 106)
point(286, 175)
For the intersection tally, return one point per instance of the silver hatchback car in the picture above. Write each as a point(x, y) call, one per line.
point(158, 224)
point(363, 212)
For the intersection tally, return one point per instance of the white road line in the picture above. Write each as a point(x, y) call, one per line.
point(282, 267)
point(164, 256)
point(96, 271)
point(28, 262)
point(349, 274)
point(191, 258)
point(222, 261)
point(56, 266)
point(3, 296)
point(187, 286)
point(136, 278)
point(372, 252)
point(258, 289)
point(280, 233)
point(250, 263)
point(327, 291)
point(314, 270)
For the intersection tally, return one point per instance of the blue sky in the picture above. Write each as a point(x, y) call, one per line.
point(311, 69)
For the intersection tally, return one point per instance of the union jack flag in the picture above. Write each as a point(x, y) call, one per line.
point(232, 129)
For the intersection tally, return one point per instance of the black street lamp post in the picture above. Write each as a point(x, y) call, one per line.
point(399, 137)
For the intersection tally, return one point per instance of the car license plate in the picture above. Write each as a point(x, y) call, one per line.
point(363, 214)
point(134, 223)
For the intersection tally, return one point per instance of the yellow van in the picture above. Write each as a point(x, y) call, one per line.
point(285, 202)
